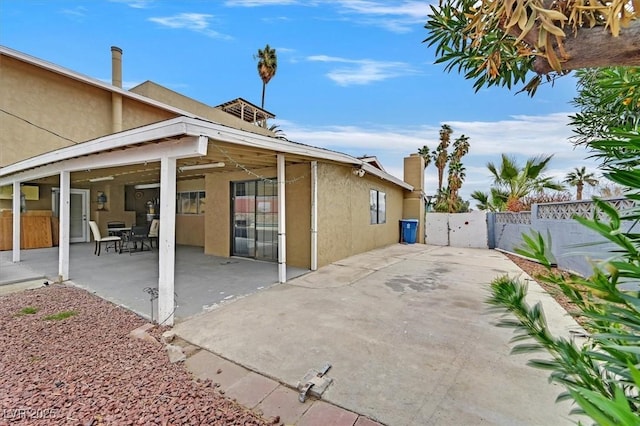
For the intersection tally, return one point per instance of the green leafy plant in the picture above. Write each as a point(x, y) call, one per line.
point(60, 316)
point(601, 375)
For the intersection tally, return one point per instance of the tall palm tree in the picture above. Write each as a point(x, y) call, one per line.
point(267, 66)
point(578, 178)
point(456, 177)
point(441, 155)
point(460, 148)
point(426, 154)
point(518, 182)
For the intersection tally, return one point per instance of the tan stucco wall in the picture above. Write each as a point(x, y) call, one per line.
point(73, 110)
point(344, 227)
point(190, 228)
point(298, 214)
point(167, 96)
point(414, 207)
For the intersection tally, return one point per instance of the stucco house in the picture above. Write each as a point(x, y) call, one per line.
point(80, 149)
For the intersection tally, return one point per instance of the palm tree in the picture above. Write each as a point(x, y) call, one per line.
point(578, 178)
point(267, 66)
point(495, 201)
point(460, 148)
point(456, 177)
point(440, 155)
point(426, 154)
point(279, 133)
point(518, 182)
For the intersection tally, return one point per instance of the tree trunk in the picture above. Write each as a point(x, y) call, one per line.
point(592, 47)
point(264, 86)
point(579, 191)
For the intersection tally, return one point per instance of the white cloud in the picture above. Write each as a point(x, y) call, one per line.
point(362, 71)
point(398, 17)
point(395, 16)
point(519, 136)
point(258, 3)
point(136, 4)
point(198, 22)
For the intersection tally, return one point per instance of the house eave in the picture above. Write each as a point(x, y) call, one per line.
point(189, 126)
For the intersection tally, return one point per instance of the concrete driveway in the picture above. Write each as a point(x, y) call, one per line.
point(407, 333)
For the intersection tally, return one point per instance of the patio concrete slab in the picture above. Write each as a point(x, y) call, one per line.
point(410, 343)
point(202, 281)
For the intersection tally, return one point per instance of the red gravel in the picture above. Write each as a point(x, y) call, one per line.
point(86, 370)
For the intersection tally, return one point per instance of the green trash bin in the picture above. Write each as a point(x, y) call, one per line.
point(409, 230)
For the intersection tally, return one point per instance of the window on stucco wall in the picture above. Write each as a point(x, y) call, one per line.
point(377, 206)
point(191, 202)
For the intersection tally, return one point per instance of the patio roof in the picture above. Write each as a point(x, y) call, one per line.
point(131, 156)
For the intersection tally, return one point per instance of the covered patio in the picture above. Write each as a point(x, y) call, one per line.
point(201, 281)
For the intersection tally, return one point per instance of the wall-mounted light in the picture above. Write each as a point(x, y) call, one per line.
point(358, 172)
point(147, 185)
point(101, 199)
point(100, 179)
point(202, 166)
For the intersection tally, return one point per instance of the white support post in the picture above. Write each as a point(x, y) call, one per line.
point(314, 215)
point(166, 241)
point(16, 221)
point(65, 212)
point(282, 215)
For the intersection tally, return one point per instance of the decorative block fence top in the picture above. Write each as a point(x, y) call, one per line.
point(561, 211)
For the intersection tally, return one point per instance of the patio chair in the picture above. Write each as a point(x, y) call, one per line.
point(99, 239)
point(139, 234)
point(153, 231)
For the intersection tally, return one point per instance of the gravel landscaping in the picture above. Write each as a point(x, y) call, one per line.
point(66, 357)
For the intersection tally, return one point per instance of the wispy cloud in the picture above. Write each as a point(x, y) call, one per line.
point(136, 4)
point(258, 3)
point(197, 22)
point(519, 136)
point(398, 17)
point(362, 71)
point(392, 15)
point(77, 13)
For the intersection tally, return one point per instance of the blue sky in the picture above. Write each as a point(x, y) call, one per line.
point(353, 75)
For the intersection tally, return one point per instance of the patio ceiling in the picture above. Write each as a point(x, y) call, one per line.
point(233, 157)
point(132, 157)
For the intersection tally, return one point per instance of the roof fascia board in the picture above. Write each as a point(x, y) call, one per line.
point(89, 80)
point(180, 126)
point(227, 134)
point(164, 129)
point(182, 148)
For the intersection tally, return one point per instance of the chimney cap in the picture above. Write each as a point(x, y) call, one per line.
point(116, 49)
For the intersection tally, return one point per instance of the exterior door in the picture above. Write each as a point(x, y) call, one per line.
point(78, 213)
point(255, 219)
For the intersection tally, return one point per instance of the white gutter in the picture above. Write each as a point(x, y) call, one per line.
point(166, 129)
point(180, 126)
point(228, 134)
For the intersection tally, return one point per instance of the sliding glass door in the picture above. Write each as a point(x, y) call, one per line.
point(255, 219)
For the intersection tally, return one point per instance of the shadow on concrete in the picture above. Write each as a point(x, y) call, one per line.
point(202, 281)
